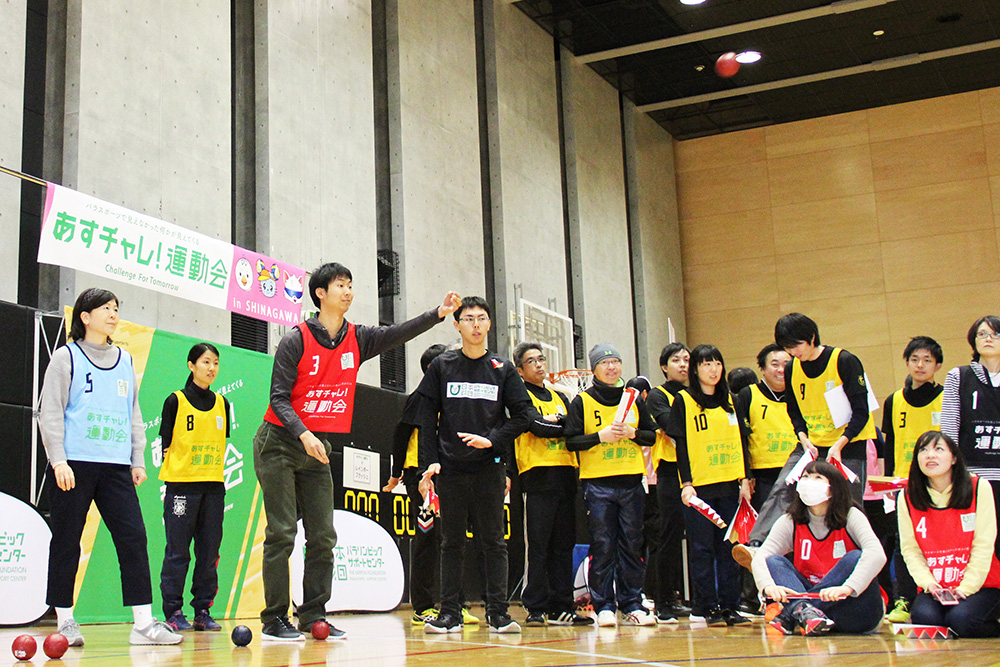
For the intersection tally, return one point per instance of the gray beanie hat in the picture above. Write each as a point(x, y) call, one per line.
point(602, 351)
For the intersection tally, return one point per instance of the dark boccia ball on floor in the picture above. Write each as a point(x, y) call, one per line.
point(242, 635)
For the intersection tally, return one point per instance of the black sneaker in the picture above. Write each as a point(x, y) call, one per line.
point(665, 617)
point(784, 622)
point(570, 618)
point(535, 619)
point(281, 630)
point(734, 617)
point(502, 624)
point(335, 634)
point(716, 619)
point(811, 620)
point(443, 624)
point(675, 609)
point(203, 621)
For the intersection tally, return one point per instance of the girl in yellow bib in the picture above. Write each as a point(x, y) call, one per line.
point(713, 463)
point(193, 431)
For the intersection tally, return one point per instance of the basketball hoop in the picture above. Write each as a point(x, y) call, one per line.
point(574, 379)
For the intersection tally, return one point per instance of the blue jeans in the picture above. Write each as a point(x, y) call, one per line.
point(853, 614)
point(715, 576)
point(614, 515)
point(975, 616)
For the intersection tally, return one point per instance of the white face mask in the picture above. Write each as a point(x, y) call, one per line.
point(813, 491)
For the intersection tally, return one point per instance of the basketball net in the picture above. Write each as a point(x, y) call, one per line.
point(572, 380)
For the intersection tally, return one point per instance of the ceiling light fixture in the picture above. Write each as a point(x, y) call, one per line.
point(748, 57)
point(879, 33)
point(692, 2)
point(699, 68)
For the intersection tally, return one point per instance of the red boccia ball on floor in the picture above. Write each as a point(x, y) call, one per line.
point(727, 65)
point(24, 647)
point(55, 645)
point(320, 630)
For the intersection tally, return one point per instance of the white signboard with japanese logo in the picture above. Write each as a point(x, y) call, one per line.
point(361, 469)
point(367, 567)
point(24, 561)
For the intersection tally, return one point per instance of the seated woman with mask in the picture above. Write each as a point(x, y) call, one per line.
point(830, 583)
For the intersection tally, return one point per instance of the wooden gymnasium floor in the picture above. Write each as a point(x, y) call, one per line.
point(389, 640)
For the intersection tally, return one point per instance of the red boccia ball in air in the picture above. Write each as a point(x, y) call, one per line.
point(727, 65)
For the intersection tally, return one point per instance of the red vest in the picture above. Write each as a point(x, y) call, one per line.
point(323, 393)
point(945, 538)
point(814, 557)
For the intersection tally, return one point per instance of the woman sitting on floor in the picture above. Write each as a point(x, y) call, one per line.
point(836, 559)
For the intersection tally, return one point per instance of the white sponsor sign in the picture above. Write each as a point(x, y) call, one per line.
point(367, 567)
point(488, 392)
point(24, 561)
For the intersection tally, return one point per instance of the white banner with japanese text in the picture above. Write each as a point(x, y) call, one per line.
point(88, 234)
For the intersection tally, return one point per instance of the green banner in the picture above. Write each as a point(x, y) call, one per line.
point(244, 380)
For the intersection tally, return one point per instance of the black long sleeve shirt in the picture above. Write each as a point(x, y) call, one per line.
point(461, 394)
point(656, 402)
point(408, 420)
point(920, 397)
point(372, 341)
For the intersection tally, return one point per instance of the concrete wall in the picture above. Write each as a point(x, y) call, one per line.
point(316, 153)
point(12, 22)
point(148, 126)
point(660, 272)
point(529, 156)
point(434, 132)
point(605, 286)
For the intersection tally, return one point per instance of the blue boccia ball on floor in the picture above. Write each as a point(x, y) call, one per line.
point(242, 635)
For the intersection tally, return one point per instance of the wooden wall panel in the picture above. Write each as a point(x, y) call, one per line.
point(884, 224)
point(830, 223)
point(926, 159)
point(730, 236)
point(917, 119)
point(729, 285)
point(950, 259)
point(817, 134)
point(838, 172)
point(723, 150)
point(927, 210)
point(718, 190)
point(834, 273)
point(991, 138)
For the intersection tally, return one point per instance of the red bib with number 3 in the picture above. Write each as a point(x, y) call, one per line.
point(814, 557)
point(323, 393)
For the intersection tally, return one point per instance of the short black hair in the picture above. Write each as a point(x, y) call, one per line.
point(924, 343)
point(522, 349)
point(88, 300)
point(669, 351)
point(770, 348)
point(640, 382)
point(795, 328)
point(430, 354)
point(473, 302)
point(324, 275)
point(740, 377)
point(992, 321)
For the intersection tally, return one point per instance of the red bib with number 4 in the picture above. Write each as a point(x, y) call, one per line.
point(323, 393)
point(945, 538)
point(814, 557)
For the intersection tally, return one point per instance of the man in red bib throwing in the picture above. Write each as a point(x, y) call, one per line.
point(312, 394)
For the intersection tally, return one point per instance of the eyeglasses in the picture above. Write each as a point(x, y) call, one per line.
point(985, 335)
point(610, 361)
point(481, 319)
point(537, 361)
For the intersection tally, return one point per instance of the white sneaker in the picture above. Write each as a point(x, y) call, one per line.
point(607, 618)
point(71, 631)
point(156, 633)
point(639, 617)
